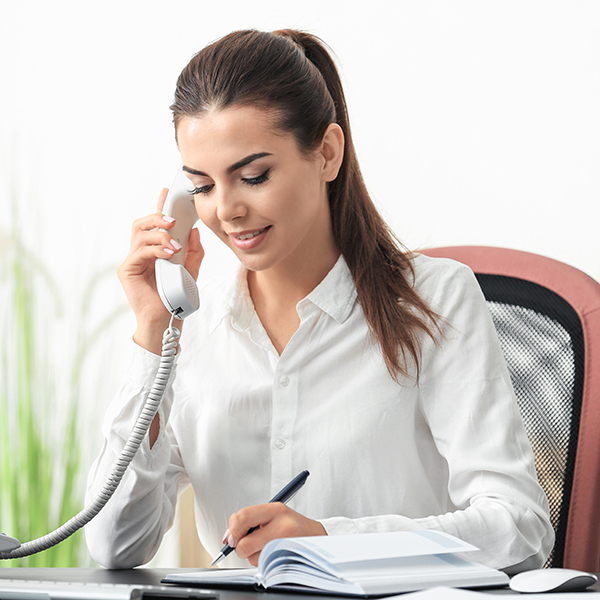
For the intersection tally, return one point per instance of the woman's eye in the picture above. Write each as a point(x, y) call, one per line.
point(202, 190)
point(257, 180)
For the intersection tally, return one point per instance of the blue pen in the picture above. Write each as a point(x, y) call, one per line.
point(285, 495)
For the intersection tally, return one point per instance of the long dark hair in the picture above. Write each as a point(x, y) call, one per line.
point(292, 74)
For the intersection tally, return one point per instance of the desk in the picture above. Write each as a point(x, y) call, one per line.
point(133, 576)
point(153, 577)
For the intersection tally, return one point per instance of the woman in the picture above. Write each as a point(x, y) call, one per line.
point(332, 349)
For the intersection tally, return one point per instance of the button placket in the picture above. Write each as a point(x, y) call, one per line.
point(285, 400)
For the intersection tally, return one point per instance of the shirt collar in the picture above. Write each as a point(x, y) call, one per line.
point(335, 296)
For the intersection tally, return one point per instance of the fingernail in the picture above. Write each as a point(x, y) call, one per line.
point(231, 541)
point(169, 251)
point(176, 245)
point(168, 219)
point(225, 535)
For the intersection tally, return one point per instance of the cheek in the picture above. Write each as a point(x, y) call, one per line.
point(206, 215)
point(301, 185)
point(304, 194)
point(309, 182)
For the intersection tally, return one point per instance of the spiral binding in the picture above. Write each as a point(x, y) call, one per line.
point(142, 425)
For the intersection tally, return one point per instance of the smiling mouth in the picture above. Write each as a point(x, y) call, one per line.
point(249, 236)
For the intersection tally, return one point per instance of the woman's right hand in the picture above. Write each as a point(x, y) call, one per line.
point(138, 278)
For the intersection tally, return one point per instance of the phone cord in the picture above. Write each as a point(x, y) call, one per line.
point(142, 425)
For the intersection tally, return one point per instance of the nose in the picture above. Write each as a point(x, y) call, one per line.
point(229, 205)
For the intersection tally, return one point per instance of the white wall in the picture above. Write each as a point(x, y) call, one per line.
point(476, 121)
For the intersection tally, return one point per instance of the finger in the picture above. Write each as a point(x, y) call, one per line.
point(284, 523)
point(141, 261)
point(155, 238)
point(276, 521)
point(151, 223)
point(262, 519)
point(249, 517)
point(194, 253)
point(161, 199)
point(252, 544)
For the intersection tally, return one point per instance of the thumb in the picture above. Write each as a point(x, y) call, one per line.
point(161, 199)
point(194, 253)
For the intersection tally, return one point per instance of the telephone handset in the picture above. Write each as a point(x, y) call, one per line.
point(179, 294)
point(176, 287)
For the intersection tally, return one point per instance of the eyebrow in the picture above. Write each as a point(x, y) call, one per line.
point(234, 167)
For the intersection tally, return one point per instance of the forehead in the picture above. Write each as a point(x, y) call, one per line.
point(230, 134)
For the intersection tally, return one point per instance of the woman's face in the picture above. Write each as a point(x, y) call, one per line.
point(255, 190)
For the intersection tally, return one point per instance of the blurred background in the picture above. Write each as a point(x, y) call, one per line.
point(475, 121)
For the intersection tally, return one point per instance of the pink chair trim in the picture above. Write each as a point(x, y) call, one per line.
point(582, 544)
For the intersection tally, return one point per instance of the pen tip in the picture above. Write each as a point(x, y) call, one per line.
point(217, 559)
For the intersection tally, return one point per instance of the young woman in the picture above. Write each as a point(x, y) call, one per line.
point(332, 349)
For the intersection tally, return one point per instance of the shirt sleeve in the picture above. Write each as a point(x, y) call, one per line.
point(469, 405)
point(128, 530)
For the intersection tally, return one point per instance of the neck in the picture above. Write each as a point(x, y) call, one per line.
point(276, 292)
point(286, 285)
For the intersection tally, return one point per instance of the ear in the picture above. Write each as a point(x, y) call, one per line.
point(332, 151)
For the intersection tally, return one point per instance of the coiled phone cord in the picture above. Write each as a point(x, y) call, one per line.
point(169, 349)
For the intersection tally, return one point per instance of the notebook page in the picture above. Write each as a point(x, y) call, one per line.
point(370, 546)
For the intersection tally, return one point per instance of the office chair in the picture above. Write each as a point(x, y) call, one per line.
point(547, 315)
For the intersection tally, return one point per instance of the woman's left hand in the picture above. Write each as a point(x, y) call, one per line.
point(275, 520)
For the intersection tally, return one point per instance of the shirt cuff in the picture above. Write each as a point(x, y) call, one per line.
point(374, 524)
point(144, 366)
point(338, 526)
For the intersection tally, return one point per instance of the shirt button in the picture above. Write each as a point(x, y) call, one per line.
point(284, 381)
point(280, 444)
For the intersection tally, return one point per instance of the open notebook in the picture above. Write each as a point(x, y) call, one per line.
point(369, 564)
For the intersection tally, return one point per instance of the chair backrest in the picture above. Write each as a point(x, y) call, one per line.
point(547, 315)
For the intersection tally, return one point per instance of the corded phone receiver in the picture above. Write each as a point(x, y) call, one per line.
point(176, 287)
point(178, 292)
point(7, 543)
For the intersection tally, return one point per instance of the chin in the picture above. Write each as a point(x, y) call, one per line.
point(254, 266)
point(257, 263)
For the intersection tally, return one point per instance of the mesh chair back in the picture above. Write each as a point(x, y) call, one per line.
point(547, 316)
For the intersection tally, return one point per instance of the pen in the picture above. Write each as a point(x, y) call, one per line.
point(285, 495)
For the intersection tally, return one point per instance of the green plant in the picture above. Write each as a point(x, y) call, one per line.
point(41, 422)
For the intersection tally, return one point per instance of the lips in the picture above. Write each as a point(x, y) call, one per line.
point(249, 239)
point(249, 236)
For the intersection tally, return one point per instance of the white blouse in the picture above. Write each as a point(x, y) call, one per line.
point(449, 453)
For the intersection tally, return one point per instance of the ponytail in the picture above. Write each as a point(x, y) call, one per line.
point(293, 73)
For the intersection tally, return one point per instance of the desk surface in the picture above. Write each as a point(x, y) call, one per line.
point(153, 577)
point(131, 576)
